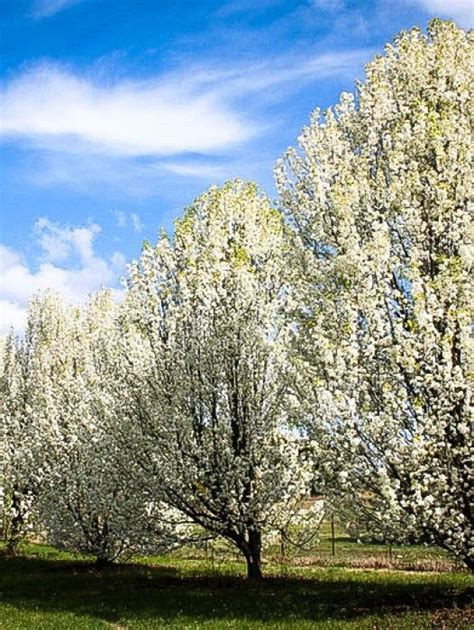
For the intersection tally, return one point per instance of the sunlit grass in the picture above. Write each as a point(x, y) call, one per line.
point(44, 588)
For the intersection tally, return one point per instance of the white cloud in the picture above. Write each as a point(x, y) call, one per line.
point(193, 111)
point(196, 169)
point(461, 11)
point(81, 271)
point(156, 117)
point(315, 68)
point(60, 243)
point(124, 220)
point(121, 218)
point(48, 8)
point(136, 222)
point(12, 315)
point(236, 84)
point(129, 135)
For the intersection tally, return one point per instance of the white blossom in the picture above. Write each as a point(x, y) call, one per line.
point(213, 402)
point(380, 199)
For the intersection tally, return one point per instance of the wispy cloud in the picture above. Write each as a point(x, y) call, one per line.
point(196, 169)
point(121, 218)
point(462, 11)
point(68, 263)
point(125, 219)
point(89, 173)
point(296, 70)
point(48, 8)
point(198, 111)
point(128, 134)
point(48, 103)
point(136, 222)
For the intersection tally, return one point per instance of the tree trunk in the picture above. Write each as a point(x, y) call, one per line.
point(333, 536)
point(15, 526)
point(469, 562)
point(254, 568)
point(11, 549)
point(282, 544)
point(102, 562)
point(252, 550)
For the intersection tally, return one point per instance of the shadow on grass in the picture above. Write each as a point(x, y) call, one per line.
point(144, 593)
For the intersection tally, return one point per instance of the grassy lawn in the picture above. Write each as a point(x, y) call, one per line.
point(47, 589)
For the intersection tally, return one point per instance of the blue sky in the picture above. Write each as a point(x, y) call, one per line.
point(116, 114)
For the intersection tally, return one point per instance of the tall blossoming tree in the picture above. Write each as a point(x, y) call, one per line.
point(213, 417)
point(380, 199)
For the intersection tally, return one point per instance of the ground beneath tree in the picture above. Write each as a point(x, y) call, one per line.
point(46, 589)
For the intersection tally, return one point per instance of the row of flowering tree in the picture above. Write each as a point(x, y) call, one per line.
point(261, 352)
point(128, 424)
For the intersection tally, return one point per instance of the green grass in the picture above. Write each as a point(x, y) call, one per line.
point(45, 588)
point(349, 553)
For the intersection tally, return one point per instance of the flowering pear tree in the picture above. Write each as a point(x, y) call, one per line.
point(87, 502)
point(380, 199)
point(17, 470)
point(213, 417)
point(21, 405)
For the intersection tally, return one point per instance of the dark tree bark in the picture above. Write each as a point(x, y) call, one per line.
point(252, 550)
point(469, 562)
point(102, 563)
point(11, 549)
point(15, 530)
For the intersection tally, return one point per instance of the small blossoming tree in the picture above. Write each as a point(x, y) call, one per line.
point(18, 474)
point(85, 500)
